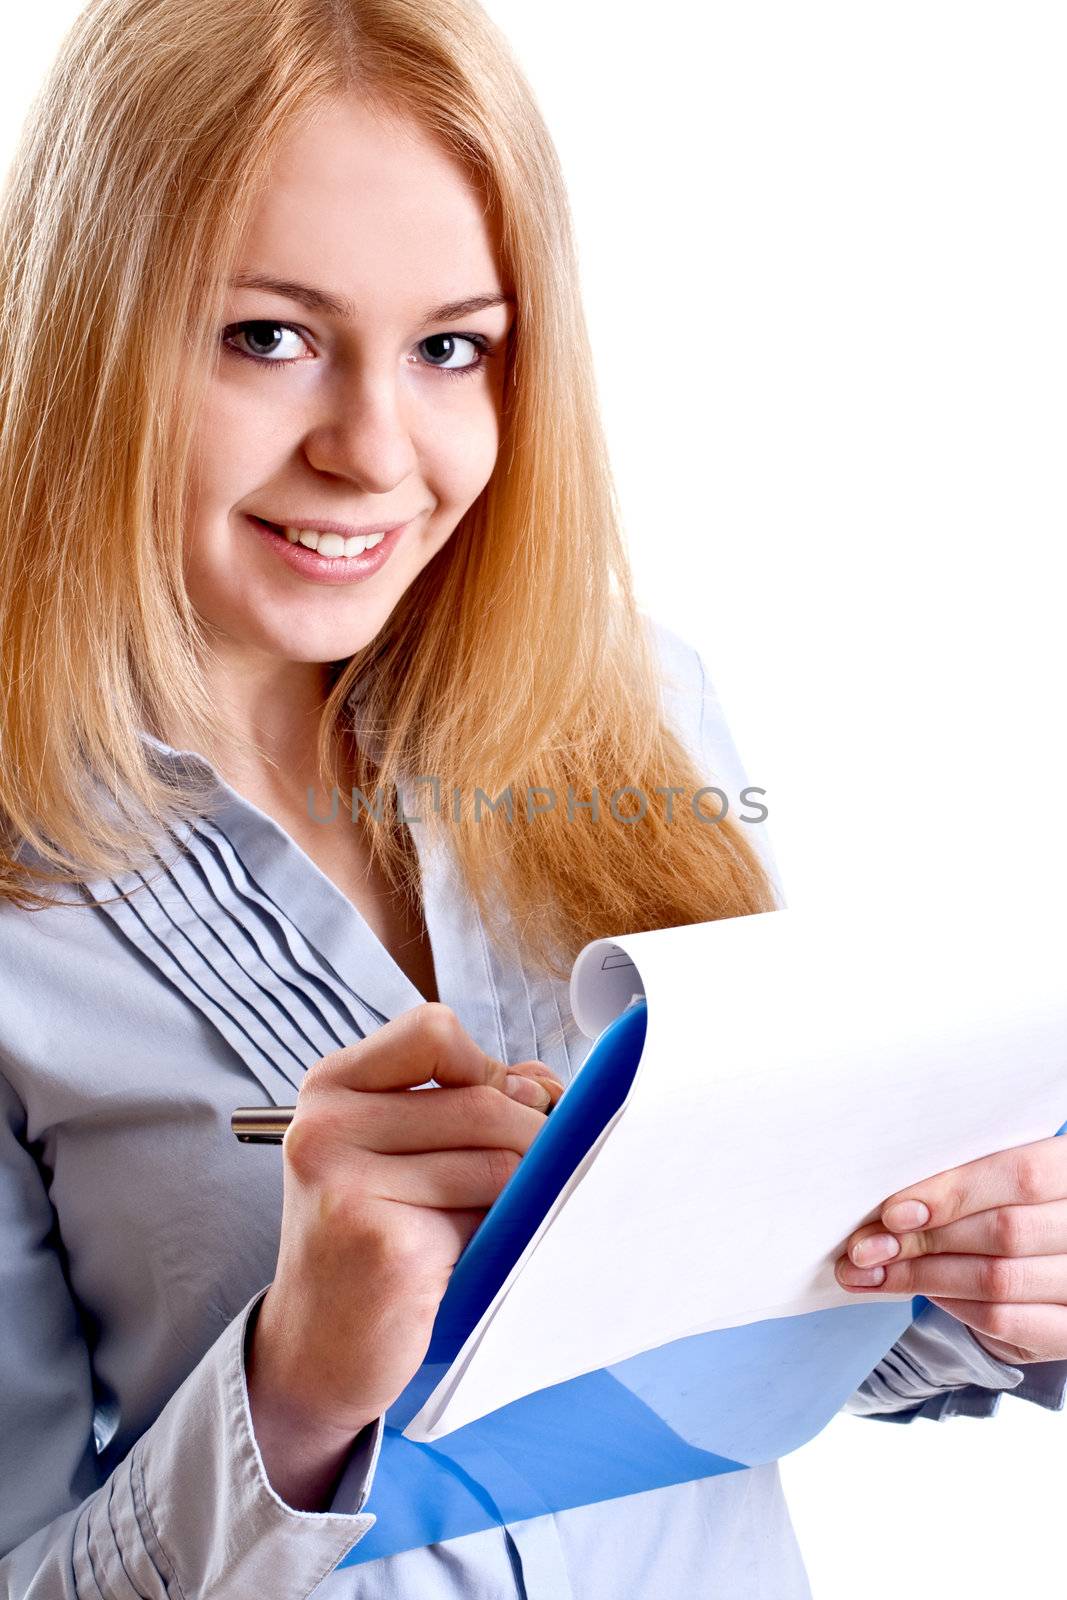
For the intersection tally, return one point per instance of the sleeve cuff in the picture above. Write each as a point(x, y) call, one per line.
point(208, 1514)
point(358, 1476)
point(937, 1369)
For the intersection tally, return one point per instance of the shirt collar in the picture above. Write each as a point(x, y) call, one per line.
point(172, 757)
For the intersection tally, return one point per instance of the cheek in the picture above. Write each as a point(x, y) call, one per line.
point(235, 448)
point(464, 452)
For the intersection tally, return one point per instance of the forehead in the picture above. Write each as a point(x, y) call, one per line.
point(363, 200)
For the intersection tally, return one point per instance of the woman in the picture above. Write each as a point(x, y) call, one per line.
point(281, 276)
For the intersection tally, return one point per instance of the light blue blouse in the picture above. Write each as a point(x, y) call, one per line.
point(137, 1238)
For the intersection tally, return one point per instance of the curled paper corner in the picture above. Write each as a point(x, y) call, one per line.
point(604, 982)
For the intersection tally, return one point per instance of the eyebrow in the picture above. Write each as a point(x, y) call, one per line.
point(337, 306)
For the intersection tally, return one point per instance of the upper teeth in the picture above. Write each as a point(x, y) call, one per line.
point(332, 544)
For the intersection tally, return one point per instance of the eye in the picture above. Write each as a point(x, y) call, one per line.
point(262, 340)
point(450, 341)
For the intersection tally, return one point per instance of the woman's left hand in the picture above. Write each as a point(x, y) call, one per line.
point(986, 1241)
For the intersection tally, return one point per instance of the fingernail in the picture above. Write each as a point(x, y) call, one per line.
point(906, 1214)
point(526, 1091)
point(879, 1247)
point(857, 1278)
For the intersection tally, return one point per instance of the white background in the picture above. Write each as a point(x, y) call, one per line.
point(824, 257)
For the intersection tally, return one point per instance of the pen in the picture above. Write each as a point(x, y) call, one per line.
point(266, 1124)
point(261, 1124)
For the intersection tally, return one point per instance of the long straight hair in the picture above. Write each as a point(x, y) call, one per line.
point(516, 659)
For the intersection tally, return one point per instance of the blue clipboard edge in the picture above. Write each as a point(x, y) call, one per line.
point(588, 1103)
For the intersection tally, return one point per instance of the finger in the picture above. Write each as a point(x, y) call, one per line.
point(444, 1179)
point(1027, 1174)
point(543, 1074)
point(1038, 1230)
point(1040, 1331)
point(528, 1091)
point(429, 1041)
point(1001, 1278)
point(460, 1227)
point(474, 1116)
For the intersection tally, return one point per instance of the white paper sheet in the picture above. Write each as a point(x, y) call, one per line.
point(798, 1069)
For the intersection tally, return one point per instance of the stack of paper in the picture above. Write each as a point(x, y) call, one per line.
point(797, 1069)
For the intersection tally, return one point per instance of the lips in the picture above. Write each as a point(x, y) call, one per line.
point(345, 530)
point(350, 546)
point(323, 568)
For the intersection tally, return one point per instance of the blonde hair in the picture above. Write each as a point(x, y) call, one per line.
point(516, 658)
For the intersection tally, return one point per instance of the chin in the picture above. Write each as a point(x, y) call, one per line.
point(337, 643)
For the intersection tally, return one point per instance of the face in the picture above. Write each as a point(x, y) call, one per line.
point(351, 387)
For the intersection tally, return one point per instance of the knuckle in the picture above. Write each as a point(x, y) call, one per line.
point(1011, 1231)
point(438, 1024)
point(1002, 1322)
point(316, 1078)
point(484, 1103)
point(500, 1164)
point(320, 1143)
point(302, 1145)
point(997, 1277)
point(1029, 1175)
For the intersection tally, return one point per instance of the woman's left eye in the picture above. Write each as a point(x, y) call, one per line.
point(450, 341)
point(261, 343)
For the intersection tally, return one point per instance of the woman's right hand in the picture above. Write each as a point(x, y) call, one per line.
point(382, 1189)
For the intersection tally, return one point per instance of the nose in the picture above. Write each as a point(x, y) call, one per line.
point(363, 433)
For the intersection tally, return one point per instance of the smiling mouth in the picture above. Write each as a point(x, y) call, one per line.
point(331, 545)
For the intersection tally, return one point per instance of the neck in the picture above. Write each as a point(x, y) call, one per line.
point(274, 707)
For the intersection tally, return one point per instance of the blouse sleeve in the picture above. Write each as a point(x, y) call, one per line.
point(937, 1368)
point(189, 1511)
